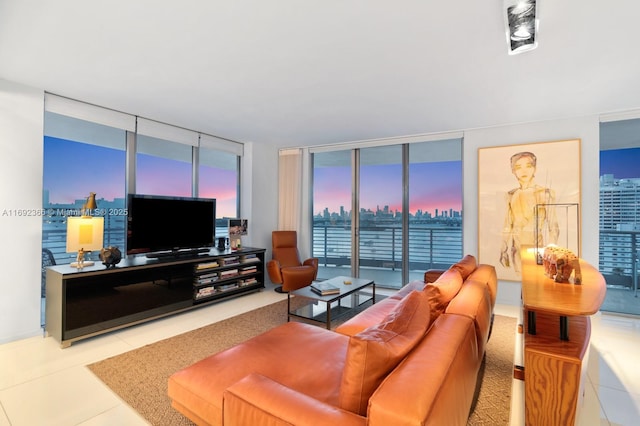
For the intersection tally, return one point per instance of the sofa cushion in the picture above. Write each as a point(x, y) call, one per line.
point(404, 291)
point(292, 354)
point(374, 352)
point(442, 291)
point(371, 316)
point(486, 274)
point(465, 266)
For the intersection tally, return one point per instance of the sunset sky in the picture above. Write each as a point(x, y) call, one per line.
point(432, 186)
point(73, 170)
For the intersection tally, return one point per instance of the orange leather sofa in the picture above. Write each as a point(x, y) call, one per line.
point(412, 359)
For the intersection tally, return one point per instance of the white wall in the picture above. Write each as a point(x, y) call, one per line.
point(263, 191)
point(21, 151)
point(584, 128)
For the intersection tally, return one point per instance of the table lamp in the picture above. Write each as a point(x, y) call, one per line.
point(85, 233)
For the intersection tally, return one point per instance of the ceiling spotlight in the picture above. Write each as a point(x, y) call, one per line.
point(521, 25)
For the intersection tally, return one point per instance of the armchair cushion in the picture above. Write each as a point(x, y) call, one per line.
point(295, 277)
point(374, 352)
point(285, 248)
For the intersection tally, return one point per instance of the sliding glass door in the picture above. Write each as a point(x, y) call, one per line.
point(380, 207)
point(435, 206)
point(620, 215)
point(332, 205)
point(408, 203)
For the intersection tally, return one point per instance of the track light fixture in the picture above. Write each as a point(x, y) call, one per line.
point(521, 25)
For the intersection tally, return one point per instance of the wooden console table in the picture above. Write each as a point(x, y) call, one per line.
point(558, 330)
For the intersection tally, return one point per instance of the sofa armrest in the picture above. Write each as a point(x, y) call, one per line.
point(431, 275)
point(257, 399)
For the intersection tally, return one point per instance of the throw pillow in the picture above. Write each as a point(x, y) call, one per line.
point(442, 291)
point(373, 353)
point(465, 266)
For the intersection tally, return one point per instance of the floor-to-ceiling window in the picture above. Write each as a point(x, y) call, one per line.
point(81, 157)
point(219, 178)
point(619, 252)
point(435, 205)
point(408, 198)
point(92, 149)
point(380, 202)
point(332, 172)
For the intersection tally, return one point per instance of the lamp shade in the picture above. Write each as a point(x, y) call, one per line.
point(84, 233)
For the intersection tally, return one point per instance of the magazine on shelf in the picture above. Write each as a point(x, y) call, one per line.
point(324, 289)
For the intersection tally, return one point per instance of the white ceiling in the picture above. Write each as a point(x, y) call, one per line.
point(295, 72)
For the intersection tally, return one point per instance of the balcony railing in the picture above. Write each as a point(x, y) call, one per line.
point(381, 247)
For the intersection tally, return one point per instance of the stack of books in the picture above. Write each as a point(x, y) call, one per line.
point(249, 258)
point(324, 289)
point(231, 260)
point(205, 292)
point(206, 265)
point(207, 278)
point(248, 270)
point(228, 274)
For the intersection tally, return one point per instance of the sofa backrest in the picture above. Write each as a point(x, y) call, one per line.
point(442, 291)
point(473, 301)
point(465, 266)
point(435, 383)
point(377, 350)
point(487, 274)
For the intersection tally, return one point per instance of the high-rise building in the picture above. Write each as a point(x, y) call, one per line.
point(619, 203)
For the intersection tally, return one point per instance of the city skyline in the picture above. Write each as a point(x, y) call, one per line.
point(435, 185)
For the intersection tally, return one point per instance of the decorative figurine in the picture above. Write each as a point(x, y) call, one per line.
point(80, 258)
point(559, 263)
point(110, 256)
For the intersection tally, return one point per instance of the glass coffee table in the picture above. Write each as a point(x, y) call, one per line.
point(324, 309)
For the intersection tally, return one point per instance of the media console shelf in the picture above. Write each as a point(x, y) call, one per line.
point(558, 330)
point(86, 302)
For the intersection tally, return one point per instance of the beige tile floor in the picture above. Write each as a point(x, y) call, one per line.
point(41, 384)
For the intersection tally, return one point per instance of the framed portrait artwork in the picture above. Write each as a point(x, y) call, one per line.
point(528, 196)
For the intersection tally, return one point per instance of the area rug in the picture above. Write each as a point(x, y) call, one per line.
point(140, 376)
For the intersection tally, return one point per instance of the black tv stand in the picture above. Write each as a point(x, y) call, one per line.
point(177, 253)
point(86, 302)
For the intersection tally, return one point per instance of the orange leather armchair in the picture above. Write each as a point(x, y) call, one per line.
point(285, 266)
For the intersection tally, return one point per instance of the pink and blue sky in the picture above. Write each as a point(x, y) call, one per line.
point(72, 170)
point(431, 186)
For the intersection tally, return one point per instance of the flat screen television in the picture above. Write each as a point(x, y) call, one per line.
point(164, 226)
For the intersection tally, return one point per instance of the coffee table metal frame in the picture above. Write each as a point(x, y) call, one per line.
point(356, 285)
